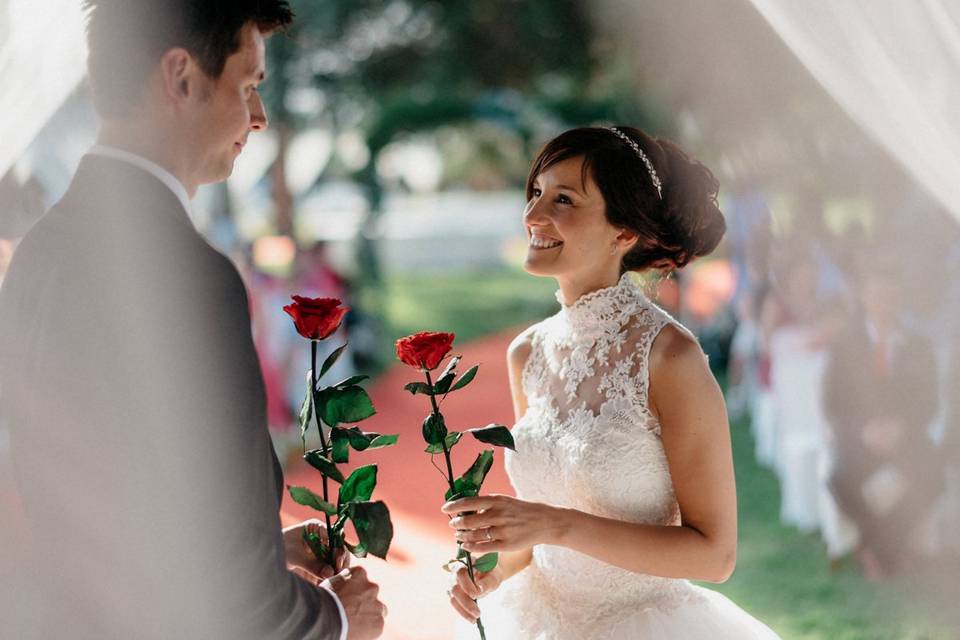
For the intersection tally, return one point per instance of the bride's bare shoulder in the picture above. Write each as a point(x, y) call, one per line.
point(679, 371)
point(520, 347)
point(675, 344)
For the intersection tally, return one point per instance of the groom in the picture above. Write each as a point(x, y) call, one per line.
point(128, 378)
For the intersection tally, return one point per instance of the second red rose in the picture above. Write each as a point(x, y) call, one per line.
point(425, 350)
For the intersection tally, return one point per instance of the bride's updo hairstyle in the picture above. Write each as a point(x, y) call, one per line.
point(679, 224)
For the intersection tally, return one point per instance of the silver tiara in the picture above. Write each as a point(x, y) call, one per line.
point(654, 178)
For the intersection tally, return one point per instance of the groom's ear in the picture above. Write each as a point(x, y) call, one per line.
point(179, 75)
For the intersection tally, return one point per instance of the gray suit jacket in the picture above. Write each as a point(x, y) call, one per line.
point(133, 395)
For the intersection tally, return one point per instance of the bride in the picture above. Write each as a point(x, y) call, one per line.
point(623, 470)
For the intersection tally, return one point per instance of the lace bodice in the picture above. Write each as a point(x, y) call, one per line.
point(589, 441)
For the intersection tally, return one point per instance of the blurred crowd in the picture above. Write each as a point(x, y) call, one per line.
point(846, 360)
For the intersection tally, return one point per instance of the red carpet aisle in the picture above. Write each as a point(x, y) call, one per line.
point(412, 582)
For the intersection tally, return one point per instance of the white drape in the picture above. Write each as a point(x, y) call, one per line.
point(42, 59)
point(894, 67)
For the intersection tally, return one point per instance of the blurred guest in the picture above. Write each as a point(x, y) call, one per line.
point(880, 396)
point(796, 361)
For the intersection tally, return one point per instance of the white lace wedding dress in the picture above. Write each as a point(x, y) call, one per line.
point(589, 442)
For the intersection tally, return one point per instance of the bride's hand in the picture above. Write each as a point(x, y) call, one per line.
point(502, 523)
point(463, 594)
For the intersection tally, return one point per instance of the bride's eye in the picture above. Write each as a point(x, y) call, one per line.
point(562, 199)
point(535, 192)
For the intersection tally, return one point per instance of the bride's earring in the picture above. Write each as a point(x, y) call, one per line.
point(613, 251)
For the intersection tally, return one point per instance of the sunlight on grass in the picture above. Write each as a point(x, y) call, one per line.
point(469, 303)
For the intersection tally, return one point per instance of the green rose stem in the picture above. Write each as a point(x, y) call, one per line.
point(446, 455)
point(331, 538)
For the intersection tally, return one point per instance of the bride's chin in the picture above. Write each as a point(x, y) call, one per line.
point(532, 266)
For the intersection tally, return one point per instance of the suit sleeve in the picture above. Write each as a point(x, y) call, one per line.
point(203, 404)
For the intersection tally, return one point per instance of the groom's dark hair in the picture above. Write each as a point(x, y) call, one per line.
point(127, 38)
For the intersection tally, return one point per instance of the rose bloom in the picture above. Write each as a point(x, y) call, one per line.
point(316, 318)
point(424, 350)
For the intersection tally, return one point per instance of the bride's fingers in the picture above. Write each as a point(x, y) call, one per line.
point(485, 547)
point(487, 582)
point(475, 503)
point(476, 535)
point(464, 582)
point(478, 520)
point(464, 604)
point(463, 612)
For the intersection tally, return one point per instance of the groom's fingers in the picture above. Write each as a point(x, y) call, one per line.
point(327, 572)
point(303, 574)
point(337, 581)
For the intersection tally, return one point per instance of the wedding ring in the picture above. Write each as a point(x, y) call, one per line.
point(489, 534)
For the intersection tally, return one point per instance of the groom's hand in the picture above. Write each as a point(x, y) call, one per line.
point(365, 613)
point(300, 559)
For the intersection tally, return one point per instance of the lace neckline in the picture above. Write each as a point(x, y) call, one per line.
point(604, 310)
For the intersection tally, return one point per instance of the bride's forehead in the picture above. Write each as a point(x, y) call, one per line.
point(570, 172)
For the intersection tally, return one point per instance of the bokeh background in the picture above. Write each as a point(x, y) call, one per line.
point(391, 177)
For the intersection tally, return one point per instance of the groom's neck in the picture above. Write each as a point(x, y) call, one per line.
point(143, 139)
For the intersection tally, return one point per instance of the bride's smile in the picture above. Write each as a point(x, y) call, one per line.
point(569, 236)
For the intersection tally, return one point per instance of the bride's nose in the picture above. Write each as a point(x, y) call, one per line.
point(534, 211)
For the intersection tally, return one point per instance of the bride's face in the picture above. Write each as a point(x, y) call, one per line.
point(567, 229)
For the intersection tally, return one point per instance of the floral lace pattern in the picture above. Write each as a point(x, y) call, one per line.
point(589, 441)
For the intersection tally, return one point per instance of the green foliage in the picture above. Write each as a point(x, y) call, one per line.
point(466, 378)
point(470, 482)
point(495, 434)
point(419, 387)
point(451, 439)
point(352, 380)
point(306, 412)
point(331, 360)
point(316, 459)
point(443, 383)
point(302, 495)
point(434, 428)
point(359, 486)
point(372, 523)
point(316, 545)
point(347, 404)
point(486, 562)
point(342, 439)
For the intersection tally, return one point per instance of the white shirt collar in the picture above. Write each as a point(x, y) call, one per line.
point(149, 166)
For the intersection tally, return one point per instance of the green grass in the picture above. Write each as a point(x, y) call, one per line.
point(470, 303)
point(783, 576)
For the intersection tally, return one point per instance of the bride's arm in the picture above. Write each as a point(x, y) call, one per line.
point(695, 435)
point(464, 593)
point(513, 562)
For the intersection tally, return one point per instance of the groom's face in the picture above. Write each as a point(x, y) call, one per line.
point(229, 109)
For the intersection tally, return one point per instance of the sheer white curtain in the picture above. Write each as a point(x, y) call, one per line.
point(894, 66)
point(42, 59)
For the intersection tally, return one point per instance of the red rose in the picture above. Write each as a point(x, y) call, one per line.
point(316, 318)
point(424, 350)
